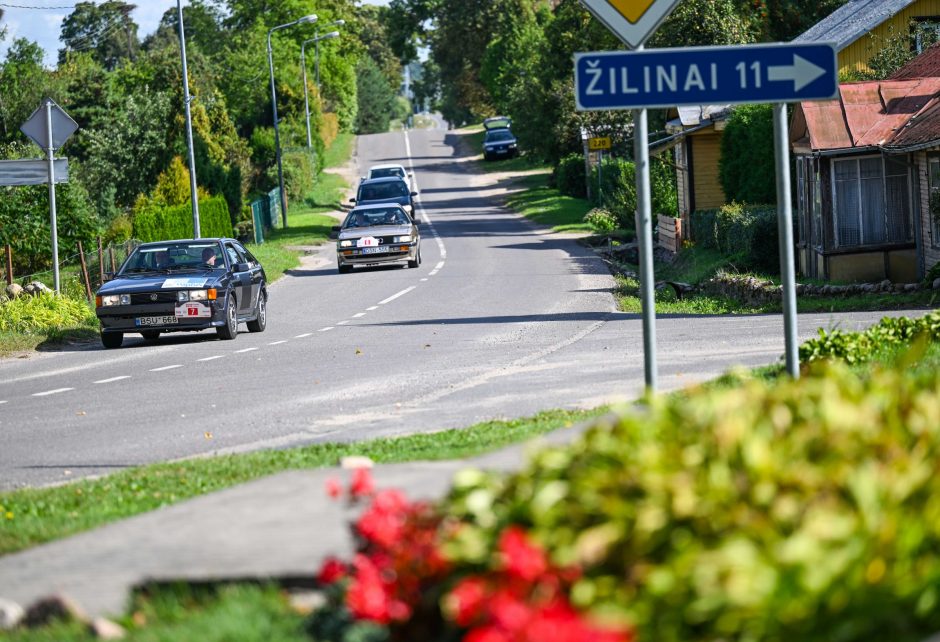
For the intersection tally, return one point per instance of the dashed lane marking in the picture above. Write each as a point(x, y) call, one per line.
point(342, 323)
point(113, 379)
point(164, 368)
point(218, 356)
point(304, 335)
point(374, 307)
point(276, 343)
point(395, 296)
point(51, 392)
point(359, 315)
point(245, 350)
point(325, 329)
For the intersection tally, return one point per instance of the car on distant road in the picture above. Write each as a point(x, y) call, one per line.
point(183, 286)
point(499, 141)
point(377, 234)
point(383, 171)
point(391, 189)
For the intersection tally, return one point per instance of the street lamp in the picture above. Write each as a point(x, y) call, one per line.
point(189, 126)
point(277, 137)
point(303, 66)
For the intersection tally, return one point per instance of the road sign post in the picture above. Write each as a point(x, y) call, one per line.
point(785, 232)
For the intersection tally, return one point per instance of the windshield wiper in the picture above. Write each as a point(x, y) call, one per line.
point(137, 270)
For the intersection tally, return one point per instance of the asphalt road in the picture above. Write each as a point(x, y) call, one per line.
point(503, 319)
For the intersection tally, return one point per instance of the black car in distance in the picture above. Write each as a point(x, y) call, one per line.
point(183, 286)
point(499, 141)
point(386, 190)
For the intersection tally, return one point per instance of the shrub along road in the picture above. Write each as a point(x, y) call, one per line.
point(503, 319)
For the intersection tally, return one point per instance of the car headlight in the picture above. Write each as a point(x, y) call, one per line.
point(198, 295)
point(112, 299)
point(403, 239)
point(195, 295)
point(345, 243)
point(512, 145)
point(182, 296)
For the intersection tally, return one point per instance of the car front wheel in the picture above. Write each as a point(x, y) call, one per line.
point(261, 319)
point(417, 261)
point(229, 331)
point(112, 339)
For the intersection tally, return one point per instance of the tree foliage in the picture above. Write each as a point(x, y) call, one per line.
point(747, 171)
point(106, 30)
point(376, 99)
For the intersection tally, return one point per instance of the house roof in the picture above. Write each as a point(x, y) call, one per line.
point(889, 114)
point(925, 65)
point(852, 20)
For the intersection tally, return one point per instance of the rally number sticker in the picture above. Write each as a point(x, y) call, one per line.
point(193, 310)
point(368, 241)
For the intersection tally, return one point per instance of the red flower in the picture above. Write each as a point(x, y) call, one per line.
point(487, 634)
point(509, 612)
point(383, 523)
point(332, 571)
point(334, 487)
point(367, 597)
point(465, 604)
point(522, 558)
point(362, 483)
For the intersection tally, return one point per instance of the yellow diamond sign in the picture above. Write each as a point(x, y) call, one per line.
point(633, 21)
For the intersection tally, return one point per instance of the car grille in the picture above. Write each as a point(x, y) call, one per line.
point(147, 298)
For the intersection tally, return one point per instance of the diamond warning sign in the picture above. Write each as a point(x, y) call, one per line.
point(633, 21)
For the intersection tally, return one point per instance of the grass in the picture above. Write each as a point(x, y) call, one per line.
point(548, 206)
point(31, 516)
point(695, 265)
point(28, 322)
point(243, 612)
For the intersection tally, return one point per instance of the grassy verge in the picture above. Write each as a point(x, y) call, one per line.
point(695, 265)
point(35, 515)
point(548, 206)
point(28, 323)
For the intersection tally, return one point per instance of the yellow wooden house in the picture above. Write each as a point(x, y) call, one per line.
point(860, 28)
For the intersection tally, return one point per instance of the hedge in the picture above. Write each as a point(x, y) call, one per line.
point(570, 176)
point(745, 233)
point(860, 347)
point(155, 223)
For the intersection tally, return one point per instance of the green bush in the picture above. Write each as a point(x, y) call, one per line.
point(601, 219)
point(45, 313)
point(745, 233)
point(860, 347)
point(773, 511)
point(156, 223)
point(300, 174)
point(747, 170)
point(933, 273)
point(570, 177)
point(617, 189)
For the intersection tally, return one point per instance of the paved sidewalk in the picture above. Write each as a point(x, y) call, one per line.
point(279, 527)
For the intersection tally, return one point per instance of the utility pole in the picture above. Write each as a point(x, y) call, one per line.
point(193, 191)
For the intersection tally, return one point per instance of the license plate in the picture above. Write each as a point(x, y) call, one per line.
point(145, 321)
point(375, 250)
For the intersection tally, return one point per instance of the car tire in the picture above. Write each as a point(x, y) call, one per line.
point(261, 316)
point(112, 340)
point(344, 269)
point(150, 335)
point(229, 331)
point(417, 261)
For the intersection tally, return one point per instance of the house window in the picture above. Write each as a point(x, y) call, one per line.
point(801, 200)
point(925, 31)
point(817, 218)
point(872, 203)
point(933, 174)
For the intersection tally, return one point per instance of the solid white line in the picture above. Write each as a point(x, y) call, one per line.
point(395, 296)
point(359, 315)
point(51, 392)
point(113, 379)
point(245, 350)
point(421, 211)
point(173, 367)
point(374, 307)
point(342, 323)
point(303, 336)
point(439, 265)
point(325, 329)
point(276, 343)
point(218, 356)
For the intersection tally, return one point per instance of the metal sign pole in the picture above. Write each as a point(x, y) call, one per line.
point(644, 229)
point(193, 191)
point(785, 229)
point(50, 151)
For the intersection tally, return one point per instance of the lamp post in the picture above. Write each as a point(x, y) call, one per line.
point(303, 66)
point(277, 136)
point(189, 126)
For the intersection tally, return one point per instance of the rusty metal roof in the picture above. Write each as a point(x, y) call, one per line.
point(925, 65)
point(888, 113)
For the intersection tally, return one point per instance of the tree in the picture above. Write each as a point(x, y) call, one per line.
point(106, 30)
point(23, 82)
point(376, 99)
point(747, 171)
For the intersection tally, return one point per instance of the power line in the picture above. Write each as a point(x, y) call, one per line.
point(23, 6)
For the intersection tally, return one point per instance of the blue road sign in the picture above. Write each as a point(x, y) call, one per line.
point(767, 73)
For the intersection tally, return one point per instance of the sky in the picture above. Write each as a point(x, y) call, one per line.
point(43, 24)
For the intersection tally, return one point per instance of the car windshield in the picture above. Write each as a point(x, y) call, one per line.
point(499, 136)
point(496, 122)
point(170, 257)
point(379, 191)
point(373, 217)
point(387, 171)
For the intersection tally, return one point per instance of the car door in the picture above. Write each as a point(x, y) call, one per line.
point(242, 280)
point(257, 275)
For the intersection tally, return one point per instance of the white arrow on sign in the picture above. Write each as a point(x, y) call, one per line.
point(802, 72)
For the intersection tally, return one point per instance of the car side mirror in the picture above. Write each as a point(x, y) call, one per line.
point(337, 228)
point(242, 267)
point(414, 193)
point(352, 200)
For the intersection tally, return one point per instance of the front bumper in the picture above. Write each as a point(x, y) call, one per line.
point(354, 256)
point(126, 318)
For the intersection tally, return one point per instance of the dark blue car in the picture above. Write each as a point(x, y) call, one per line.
point(183, 286)
point(390, 189)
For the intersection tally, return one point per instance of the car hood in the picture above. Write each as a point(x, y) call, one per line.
point(378, 230)
point(130, 283)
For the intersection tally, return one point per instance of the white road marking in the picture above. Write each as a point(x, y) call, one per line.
point(276, 343)
point(439, 266)
point(421, 211)
point(51, 392)
point(359, 315)
point(424, 279)
point(325, 329)
point(218, 356)
point(304, 335)
point(395, 296)
point(3, 402)
point(374, 307)
point(245, 350)
point(342, 323)
point(432, 273)
point(113, 379)
point(173, 367)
